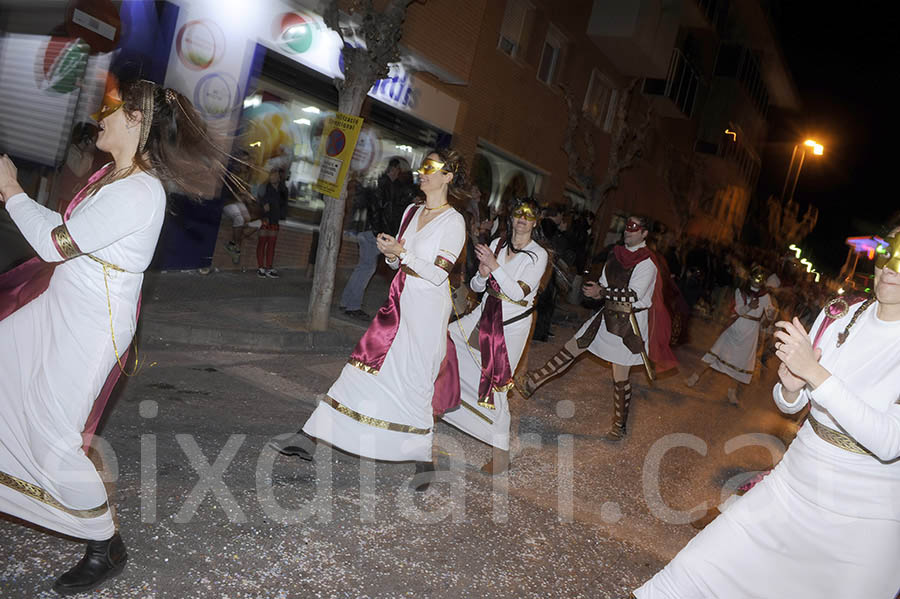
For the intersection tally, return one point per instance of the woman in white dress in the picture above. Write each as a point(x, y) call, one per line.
point(826, 521)
point(734, 352)
point(509, 272)
point(383, 404)
point(60, 347)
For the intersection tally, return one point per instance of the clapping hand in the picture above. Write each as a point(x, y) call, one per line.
point(799, 360)
point(9, 184)
point(389, 246)
point(487, 262)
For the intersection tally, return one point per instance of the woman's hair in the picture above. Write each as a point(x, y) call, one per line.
point(175, 146)
point(459, 190)
point(536, 233)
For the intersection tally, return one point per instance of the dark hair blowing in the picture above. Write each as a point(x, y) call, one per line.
point(178, 149)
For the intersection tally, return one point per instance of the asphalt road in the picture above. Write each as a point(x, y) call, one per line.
point(207, 511)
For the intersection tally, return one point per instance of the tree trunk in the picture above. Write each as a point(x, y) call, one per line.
point(331, 228)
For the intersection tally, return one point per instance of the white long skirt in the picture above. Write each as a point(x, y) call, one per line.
point(734, 352)
point(388, 415)
point(59, 353)
point(824, 523)
point(485, 424)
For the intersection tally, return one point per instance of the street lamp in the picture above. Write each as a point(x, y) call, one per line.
point(793, 175)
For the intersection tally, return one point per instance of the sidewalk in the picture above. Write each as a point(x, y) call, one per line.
point(238, 310)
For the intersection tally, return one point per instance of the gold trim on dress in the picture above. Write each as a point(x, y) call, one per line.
point(729, 365)
point(525, 288)
point(64, 243)
point(836, 438)
point(443, 264)
point(472, 409)
point(364, 367)
point(109, 265)
point(368, 420)
point(409, 271)
point(502, 296)
point(504, 388)
point(39, 494)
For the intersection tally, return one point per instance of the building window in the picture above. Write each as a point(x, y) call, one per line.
point(513, 29)
point(551, 56)
point(600, 101)
point(741, 63)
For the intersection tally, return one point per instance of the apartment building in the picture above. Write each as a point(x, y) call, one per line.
point(493, 78)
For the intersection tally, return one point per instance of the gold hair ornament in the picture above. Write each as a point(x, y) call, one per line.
point(147, 105)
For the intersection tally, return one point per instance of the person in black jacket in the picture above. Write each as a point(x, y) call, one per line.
point(273, 201)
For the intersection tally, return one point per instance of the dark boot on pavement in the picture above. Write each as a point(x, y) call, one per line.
point(621, 403)
point(534, 379)
point(424, 476)
point(102, 560)
point(498, 464)
point(293, 446)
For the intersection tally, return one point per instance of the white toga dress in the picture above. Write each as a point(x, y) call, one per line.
point(826, 521)
point(518, 276)
point(734, 352)
point(388, 415)
point(58, 352)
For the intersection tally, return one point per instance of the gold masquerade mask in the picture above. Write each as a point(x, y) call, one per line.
point(431, 166)
point(109, 106)
point(525, 211)
point(889, 257)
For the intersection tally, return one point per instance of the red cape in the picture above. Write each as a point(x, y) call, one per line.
point(659, 321)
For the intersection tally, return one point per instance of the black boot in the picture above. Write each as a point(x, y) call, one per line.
point(621, 402)
point(102, 560)
point(425, 473)
point(293, 446)
point(295, 451)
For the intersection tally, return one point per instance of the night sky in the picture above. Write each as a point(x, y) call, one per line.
point(843, 58)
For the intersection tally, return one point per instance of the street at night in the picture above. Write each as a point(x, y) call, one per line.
point(575, 517)
point(448, 298)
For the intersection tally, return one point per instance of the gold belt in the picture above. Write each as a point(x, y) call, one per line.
point(502, 296)
point(837, 438)
point(409, 271)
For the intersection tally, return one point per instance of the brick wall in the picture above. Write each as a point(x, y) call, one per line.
point(505, 104)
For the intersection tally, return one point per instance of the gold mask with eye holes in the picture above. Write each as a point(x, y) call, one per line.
point(431, 166)
point(890, 257)
point(110, 105)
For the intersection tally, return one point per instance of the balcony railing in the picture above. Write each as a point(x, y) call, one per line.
point(680, 86)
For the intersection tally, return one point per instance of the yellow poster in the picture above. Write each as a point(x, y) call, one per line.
point(335, 151)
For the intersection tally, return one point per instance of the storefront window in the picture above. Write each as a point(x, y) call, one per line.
point(508, 178)
point(281, 128)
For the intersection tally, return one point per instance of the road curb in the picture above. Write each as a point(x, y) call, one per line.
point(338, 338)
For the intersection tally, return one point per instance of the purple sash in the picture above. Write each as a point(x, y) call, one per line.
point(372, 348)
point(496, 373)
point(30, 279)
